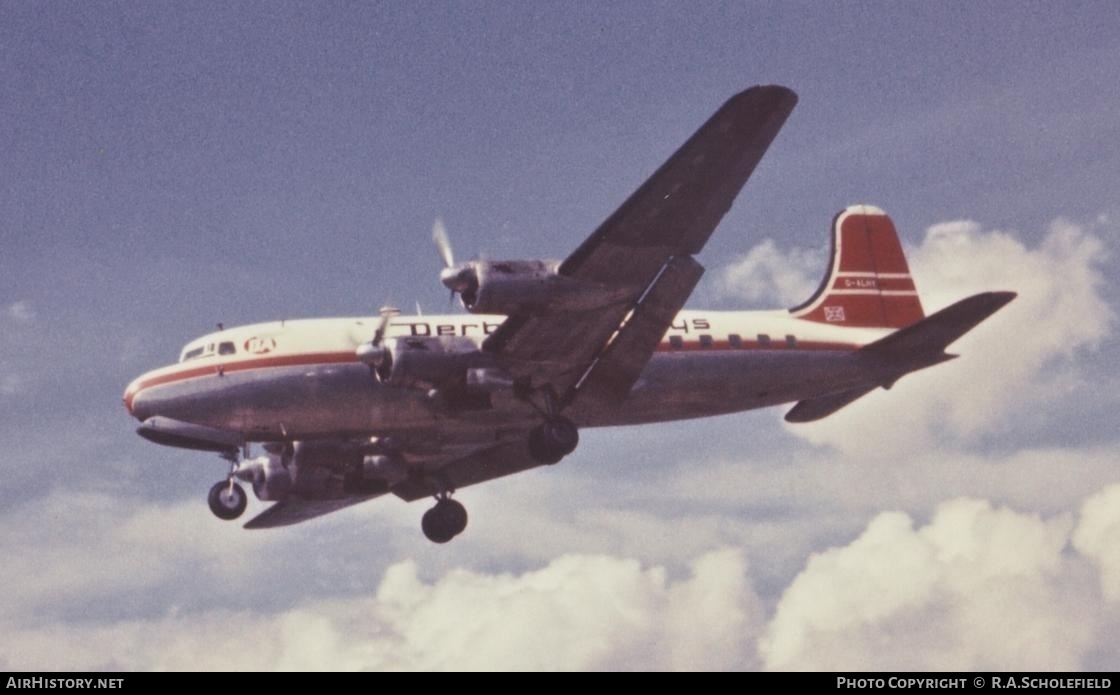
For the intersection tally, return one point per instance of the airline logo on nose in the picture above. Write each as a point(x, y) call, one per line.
point(260, 345)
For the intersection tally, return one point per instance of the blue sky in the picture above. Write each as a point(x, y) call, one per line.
point(169, 166)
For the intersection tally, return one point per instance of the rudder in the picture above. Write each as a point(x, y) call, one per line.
point(868, 284)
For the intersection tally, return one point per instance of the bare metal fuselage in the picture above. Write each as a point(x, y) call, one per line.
point(308, 385)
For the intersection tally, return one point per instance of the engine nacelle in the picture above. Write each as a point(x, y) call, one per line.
point(508, 287)
point(270, 478)
point(431, 361)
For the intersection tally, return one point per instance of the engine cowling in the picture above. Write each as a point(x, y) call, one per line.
point(270, 477)
point(509, 287)
point(321, 470)
point(430, 361)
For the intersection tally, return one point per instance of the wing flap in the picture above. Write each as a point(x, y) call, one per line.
point(292, 511)
point(615, 371)
point(487, 464)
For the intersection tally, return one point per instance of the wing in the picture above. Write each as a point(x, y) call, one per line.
point(478, 466)
point(671, 215)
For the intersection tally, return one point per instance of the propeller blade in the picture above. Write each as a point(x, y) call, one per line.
point(387, 313)
point(443, 243)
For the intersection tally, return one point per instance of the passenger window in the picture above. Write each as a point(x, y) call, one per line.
point(706, 341)
point(791, 341)
point(675, 342)
point(763, 340)
point(735, 341)
point(226, 348)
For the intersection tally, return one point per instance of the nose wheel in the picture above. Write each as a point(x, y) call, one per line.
point(444, 521)
point(227, 500)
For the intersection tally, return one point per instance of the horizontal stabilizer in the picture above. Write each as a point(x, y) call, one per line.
point(935, 333)
point(906, 350)
point(816, 408)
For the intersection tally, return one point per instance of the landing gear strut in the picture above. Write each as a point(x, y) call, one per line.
point(227, 500)
point(444, 521)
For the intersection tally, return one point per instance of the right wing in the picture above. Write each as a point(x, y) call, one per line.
point(671, 216)
point(477, 467)
point(485, 463)
point(294, 510)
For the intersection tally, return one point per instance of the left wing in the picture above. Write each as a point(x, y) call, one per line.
point(671, 216)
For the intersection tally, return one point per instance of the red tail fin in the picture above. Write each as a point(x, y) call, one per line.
point(869, 283)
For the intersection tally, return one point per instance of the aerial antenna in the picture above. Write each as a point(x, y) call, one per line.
point(419, 311)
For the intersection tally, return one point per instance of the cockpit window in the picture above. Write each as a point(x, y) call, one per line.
point(191, 354)
point(226, 348)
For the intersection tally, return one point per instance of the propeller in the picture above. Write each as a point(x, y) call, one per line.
point(374, 353)
point(460, 278)
point(443, 243)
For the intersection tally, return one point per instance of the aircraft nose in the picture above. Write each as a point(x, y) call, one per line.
point(131, 399)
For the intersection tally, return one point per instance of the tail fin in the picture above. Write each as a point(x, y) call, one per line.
point(868, 284)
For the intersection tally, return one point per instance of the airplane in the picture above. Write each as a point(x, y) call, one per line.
point(350, 409)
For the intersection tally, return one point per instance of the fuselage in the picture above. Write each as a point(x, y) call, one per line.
point(301, 379)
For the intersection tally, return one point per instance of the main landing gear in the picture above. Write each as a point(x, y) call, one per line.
point(557, 436)
point(553, 439)
point(227, 500)
point(444, 521)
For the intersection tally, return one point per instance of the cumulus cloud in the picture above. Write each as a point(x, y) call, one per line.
point(72, 550)
point(977, 587)
point(578, 612)
point(768, 274)
point(20, 311)
point(1098, 538)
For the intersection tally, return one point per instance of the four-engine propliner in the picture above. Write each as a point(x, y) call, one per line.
point(351, 409)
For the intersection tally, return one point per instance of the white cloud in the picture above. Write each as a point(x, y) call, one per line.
point(767, 274)
point(20, 311)
point(1098, 537)
point(578, 612)
point(84, 547)
point(978, 588)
